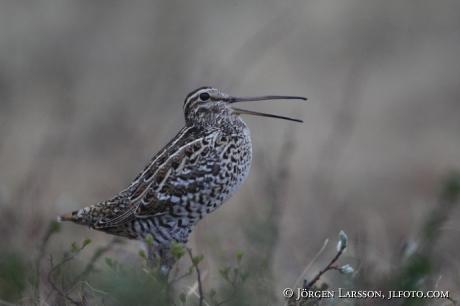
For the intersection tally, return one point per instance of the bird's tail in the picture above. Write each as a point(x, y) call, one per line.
point(85, 217)
point(78, 216)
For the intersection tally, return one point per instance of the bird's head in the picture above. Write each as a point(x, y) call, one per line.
point(207, 104)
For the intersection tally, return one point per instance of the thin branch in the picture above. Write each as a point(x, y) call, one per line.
point(53, 269)
point(200, 287)
point(93, 289)
point(65, 295)
point(309, 265)
point(175, 280)
point(37, 301)
point(52, 228)
point(328, 267)
point(93, 259)
point(192, 290)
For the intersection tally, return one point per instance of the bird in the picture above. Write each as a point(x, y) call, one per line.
point(195, 173)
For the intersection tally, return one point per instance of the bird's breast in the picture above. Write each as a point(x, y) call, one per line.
point(224, 168)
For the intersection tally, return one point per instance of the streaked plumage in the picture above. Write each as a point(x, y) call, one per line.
point(196, 172)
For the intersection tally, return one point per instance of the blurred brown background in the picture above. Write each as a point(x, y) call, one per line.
point(91, 90)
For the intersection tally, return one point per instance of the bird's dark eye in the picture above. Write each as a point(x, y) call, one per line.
point(205, 96)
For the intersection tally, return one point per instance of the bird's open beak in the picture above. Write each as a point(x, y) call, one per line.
point(247, 112)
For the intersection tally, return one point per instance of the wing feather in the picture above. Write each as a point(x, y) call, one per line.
point(187, 164)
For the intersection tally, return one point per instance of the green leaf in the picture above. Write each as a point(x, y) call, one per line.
point(86, 241)
point(149, 239)
point(177, 249)
point(108, 261)
point(74, 246)
point(244, 275)
point(197, 259)
point(54, 226)
point(213, 293)
point(183, 297)
point(239, 256)
point(224, 272)
point(111, 263)
point(143, 254)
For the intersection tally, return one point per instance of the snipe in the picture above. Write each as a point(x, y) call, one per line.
point(196, 172)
